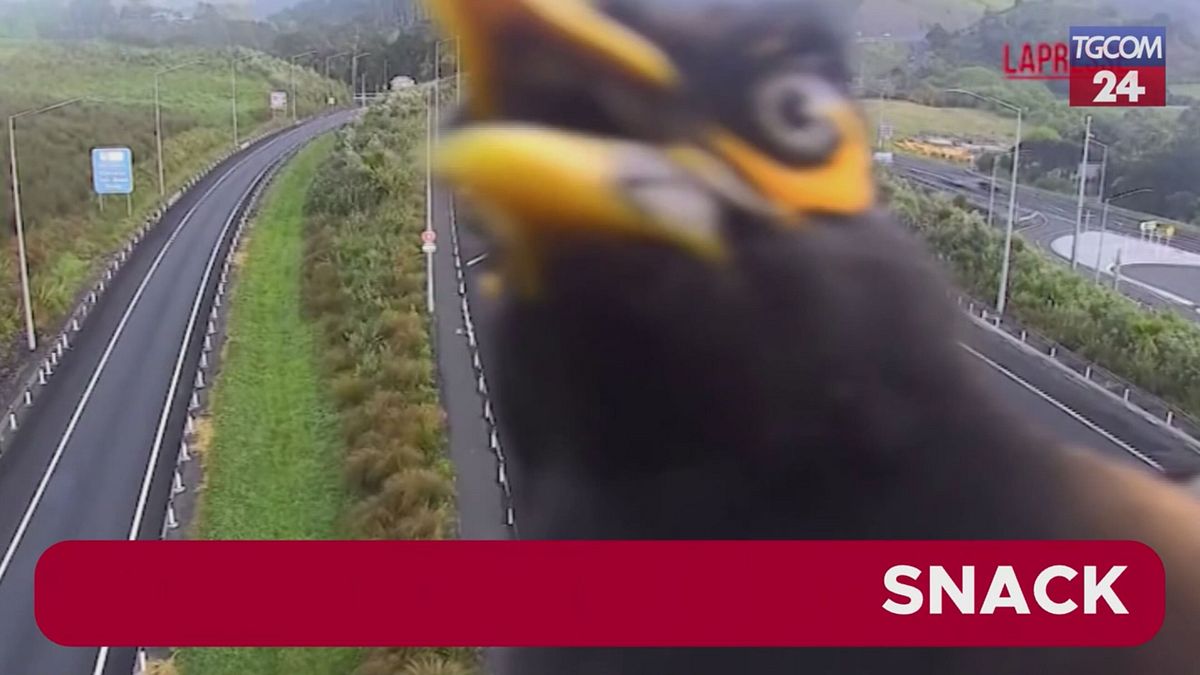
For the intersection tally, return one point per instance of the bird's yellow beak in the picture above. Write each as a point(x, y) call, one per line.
point(484, 27)
point(534, 185)
point(844, 185)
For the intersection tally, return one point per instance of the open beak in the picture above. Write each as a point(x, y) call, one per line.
point(535, 185)
point(485, 27)
point(843, 185)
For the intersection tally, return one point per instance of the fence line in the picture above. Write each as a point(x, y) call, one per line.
point(1153, 408)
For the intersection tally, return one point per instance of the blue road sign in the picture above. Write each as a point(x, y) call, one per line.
point(112, 171)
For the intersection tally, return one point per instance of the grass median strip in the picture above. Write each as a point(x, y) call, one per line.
point(273, 469)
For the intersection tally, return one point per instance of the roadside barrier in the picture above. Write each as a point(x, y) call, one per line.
point(56, 350)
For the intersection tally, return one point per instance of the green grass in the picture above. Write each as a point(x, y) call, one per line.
point(68, 235)
point(274, 466)
point(913, 120)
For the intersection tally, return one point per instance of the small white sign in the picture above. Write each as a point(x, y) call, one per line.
point(429, 248)
point(279, 100)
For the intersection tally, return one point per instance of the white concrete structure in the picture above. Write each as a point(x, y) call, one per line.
point(1132, 251)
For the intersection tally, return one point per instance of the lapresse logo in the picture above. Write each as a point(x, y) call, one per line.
point(1118, 66)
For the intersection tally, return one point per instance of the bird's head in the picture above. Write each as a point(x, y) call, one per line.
point(679, 301)
point(762, 86)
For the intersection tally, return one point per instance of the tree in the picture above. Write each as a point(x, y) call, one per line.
point(938, 37)
point(91, 18)
point(138, 10)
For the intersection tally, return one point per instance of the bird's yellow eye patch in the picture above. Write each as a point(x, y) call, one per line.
point(534, 185)
point(482, 25)
point(844, 185)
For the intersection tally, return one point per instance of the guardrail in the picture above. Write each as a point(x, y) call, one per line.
point(1154, 409)
point(213, 338)
point(36, 382)
point(495, 443)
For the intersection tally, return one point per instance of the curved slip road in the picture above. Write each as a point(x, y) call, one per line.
point(95, 457)
point(1055, 218)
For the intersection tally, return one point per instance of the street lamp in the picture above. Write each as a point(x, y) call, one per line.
point(1005, 268)
point(1088, 141)
point(30, 330)
point(158, 133)
point(430, 133)
point(329, 61)
point(354, 74)
point(1104, 222)
point(458, 67)
point(234, 60)
point(292, 62)
point(1087, 146)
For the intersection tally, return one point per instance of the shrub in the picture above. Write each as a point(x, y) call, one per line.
point(364, 286)
point(68, 235)
point(1158, 351)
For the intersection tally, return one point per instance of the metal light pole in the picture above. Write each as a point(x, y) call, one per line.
point(1006, 265)
point(292, 62)
point(437, 86)
point(992, 198)
point(233, 61)
point(429, 135)
point(158, 132)
point(354, 72)
point(329, 62)
point(1104, 223)
point(1087, 137)
point(26, 299)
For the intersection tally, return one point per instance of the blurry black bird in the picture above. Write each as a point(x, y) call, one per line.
point(763, 85)
point(697, 345)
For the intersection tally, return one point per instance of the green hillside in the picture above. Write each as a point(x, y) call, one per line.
point(913, 120)
point(67, 232)
point(909, 17)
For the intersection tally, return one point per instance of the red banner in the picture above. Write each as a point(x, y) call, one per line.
point(602, 594)
point(1116, 87)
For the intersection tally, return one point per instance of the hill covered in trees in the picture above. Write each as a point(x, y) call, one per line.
point(395, 32)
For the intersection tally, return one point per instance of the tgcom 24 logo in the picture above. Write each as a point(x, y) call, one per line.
point(1107, 66)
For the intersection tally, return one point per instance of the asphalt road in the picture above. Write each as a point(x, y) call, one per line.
point(481, 503)
point(94, 459)
point(1046, 216)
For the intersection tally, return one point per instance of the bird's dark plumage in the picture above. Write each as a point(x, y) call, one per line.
point(815, 390)
point(807, 384)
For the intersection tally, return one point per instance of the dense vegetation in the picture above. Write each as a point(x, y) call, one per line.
point(1150, 148)
point(396, 33)
point(364, 288)
point(68, 233)
point(1157, 350)
point(272, 460)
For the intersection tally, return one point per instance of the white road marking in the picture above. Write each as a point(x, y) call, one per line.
point(30, 510)
point(176, 376)
point(148, 477)
point(478, 259)
point(1060, 406)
